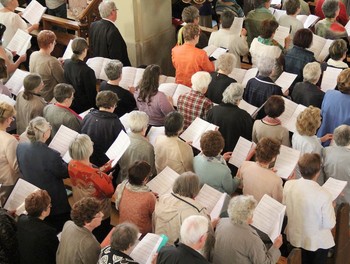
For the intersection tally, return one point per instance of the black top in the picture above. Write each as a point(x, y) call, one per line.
point(8, 241)
point(126, 102)
point(307, 94)
point(37, 241)
point(219, 83)
point(111, 256)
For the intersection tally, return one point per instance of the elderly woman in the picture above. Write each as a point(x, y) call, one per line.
point(257, 177)
point(336, 105)
point(210, 165)
point(139, 148)
point(81, 77)
point(151, 101)
point(337, 54)
point(220, 79)
point(47, 66)
point(12, 20)
point(329, 27)
point(102, 126)
point(9, 172)
point(9, 252)
point(123, 240)
point(270, 125)
point(29, 103)
point(134, 199)
point(307, 92)
point(194, 104)
point(89, 181)
point(297, 57)
point(260, 88)
point(232, 121)
point(290, 18)
point(37, 240)
point(249, 248)
point(304, 139)
point(170, 150)
point(126, 102)
point(44, 167)
point(78, 244)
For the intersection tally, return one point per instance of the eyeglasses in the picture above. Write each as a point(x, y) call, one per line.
point(49, 206)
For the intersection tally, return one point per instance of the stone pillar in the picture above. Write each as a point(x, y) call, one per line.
point(148, 32)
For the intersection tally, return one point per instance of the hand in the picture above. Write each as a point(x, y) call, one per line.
point(286, 93)
point(16, 136)
point(154, 258)
point(243, 32)
point(132, 89)
point(273, 169)
point(61, 61)
point(292, 176)
point(326, 137)
point(170, 99)
point(107, 166)
point(227, 155)
point(155, 194)
point(215, 222)
point(35, 26)
point(23, 58)
point(287, 41)
point(278, 242)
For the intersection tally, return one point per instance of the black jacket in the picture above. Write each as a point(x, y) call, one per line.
point(180, 254)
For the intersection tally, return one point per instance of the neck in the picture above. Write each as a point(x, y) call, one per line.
point(89, 227)
point(63, 104)
point(45, 51)
point(263, 165)
point(222, 72)
point(192, 42)
point(3, 126)
point(110, 110)
point(114, 82)
point(85, 162)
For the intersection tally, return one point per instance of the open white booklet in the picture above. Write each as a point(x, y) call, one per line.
point(277, 13)
point(329, 78)
point(214, 201)
point(154, 132)
point(241, 151)
point(163, 182)
point(286, 161)
point(131, 76)
point(20, 42)
point(237, 25)
point(250, 109)
point(33, 12)
point(68, 52)
point(194, 132)
point(285, 80)
point(19, 193)
point(174, 90)
point(119, 146)
point(214, 52)
point(268, 217)
point(15, 83)
point(320, 47)
point(98, 65)
point(334, 187)
point(290, 114)
point(242, 76)
point(280, 34)
point(148, 247)
point(7, 99)
point(308, 21)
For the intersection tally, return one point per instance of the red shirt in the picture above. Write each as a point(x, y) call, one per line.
point(342, 17)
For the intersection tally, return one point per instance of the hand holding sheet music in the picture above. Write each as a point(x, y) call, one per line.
point(15, 83)
point(20, 42)
point(286, 161)
point(119, 146)
point(33, 12)
point(334, 187)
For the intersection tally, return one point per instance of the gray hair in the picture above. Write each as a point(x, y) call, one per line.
point(233, 94)
point(312, 72)
point(226, 62)
point(329, 8)
point(187, 184)
point(81, 147)
point(193, 228)
point(113, 70)
point(137, 121)
point(241, 208)
point(341, 135)
point(106, 7)
point(200, 81)
point(265, 65)
point(5, 2)
point(37, 128)
point(124, 236)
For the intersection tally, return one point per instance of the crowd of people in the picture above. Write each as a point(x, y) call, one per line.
point(56, 91)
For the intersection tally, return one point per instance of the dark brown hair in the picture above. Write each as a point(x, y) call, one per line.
point(309, 165)
point(212, 143)
point(85, 210)
point(303, 38)
point(274, 106)
point(267, 149)
point(268, 27)
point(138, 172)
point(37, 202)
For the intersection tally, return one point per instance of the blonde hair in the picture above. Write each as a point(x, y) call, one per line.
point(6, 111)
point(36, 128)
point(308, 121)
point(81, 147)
point(241, 208)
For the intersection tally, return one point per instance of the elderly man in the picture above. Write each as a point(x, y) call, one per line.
point(105, 38)
point(187, 59)
point(195, 104)
point(194, 232)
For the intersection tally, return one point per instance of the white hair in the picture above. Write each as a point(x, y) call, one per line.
point(241, 208)
point(193, 228)
point(265, 65)
point(200, 81)
point(226, 62)
point(106, 7)
point(233, 94)
point(137, 121)
point(341, 135)
point(312, 72)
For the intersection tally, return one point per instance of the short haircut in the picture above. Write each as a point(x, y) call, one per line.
point(312, 72)
point(265, 65)
point(330, 8)
point(3, 69)
point(212, 143)
point(309, 165)
point(226, 62)
point(343, 81)
point(81, 147)
point(233, 94)
point(5, 2)
point(274, 106)
point(259, 3)
point(341, 135)
point(303, 38)
point(173, 123)
point(124, 236)
point(187, 184)
point(105, 8)
point(193, 228)
point(113, 70)
point(30, 82)
point(36, 128)
point(337, 49)
point(137, 121)
point(138, 172)
point(6, 111)
point(63, 91)
point(308, 121)
point(292, 6)
point(200, 81)
point(189, 14)
point(241, 208)
point(268, 27)
point(106, 99)
point(227, 18)
point(85, 210)
point(45, 38)
point(190, 31)
point(37, 202)
point(78, 47)
point(267, 149)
